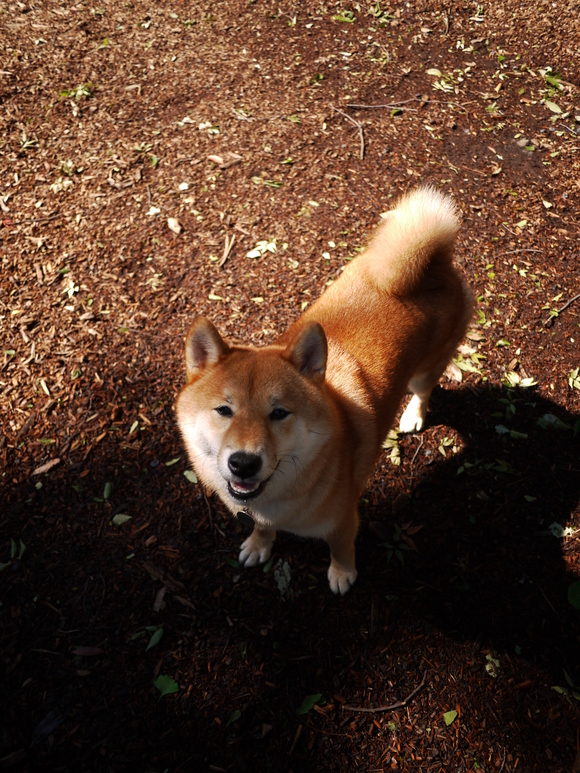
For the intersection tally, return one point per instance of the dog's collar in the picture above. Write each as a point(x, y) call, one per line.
point(245, 517)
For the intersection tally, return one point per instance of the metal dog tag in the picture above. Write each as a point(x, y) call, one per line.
point(245, 518)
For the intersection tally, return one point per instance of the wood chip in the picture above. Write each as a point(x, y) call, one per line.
point(46, 467)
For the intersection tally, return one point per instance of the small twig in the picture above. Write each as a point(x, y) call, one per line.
point(296, 737)
point(419, 447)
point(503, 761)
point(547, 599)
point(36, 220)
point(424, 100)
point(241, 230)
point(241, 116)
point(397, 705)
point(508, 230)
point(512, 252)
point(188, 158)
point(326, 732)
point(227, 250)
point(209, 512)
point(359, 127)
point(390, 105)
point(561, 309)
point(573, 133)
point(149, 195)
point(383, 107)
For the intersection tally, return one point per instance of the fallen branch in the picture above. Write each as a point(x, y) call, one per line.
point(393, 706)
point(359, 127)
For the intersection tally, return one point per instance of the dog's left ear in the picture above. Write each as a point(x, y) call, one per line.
point(308, 351)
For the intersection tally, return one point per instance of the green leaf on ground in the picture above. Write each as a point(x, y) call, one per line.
point(346, 17)
point(450, 717)
point(234, 716)
point(155, 639)
point(166, 685)
point(120, 519)
point(574, 594)
point(309, 702)
point(549, 421)
point(191, 476)
point(492, 666)
point(392, 442)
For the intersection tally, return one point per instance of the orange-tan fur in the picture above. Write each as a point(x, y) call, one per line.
point(292, 431)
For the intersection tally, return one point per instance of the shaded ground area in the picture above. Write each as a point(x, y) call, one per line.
point(282, 131)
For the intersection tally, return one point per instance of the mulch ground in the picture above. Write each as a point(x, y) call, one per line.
point(145, 150)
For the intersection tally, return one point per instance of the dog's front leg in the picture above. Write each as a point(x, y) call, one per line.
point(342, 570)
point(257, 548)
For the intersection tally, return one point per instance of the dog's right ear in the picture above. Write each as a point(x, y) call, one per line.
point(203, 347)
point(308, 352)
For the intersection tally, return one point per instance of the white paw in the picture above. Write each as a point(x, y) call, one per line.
point(341, 580)
point(255, 551)
point(413, 417)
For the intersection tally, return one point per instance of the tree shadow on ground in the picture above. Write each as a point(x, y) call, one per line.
point(489, 581)
point(491, 568)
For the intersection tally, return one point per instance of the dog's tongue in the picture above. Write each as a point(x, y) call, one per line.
point(245, 487)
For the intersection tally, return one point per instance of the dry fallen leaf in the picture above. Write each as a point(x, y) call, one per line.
point(225, 161)
point(174, 225)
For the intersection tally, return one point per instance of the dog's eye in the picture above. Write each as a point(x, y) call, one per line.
point(225, 411)
point(279, 413)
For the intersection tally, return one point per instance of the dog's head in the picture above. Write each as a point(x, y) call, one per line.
point(254, 420)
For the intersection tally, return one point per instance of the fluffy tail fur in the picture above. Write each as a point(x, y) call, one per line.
point(415, 243)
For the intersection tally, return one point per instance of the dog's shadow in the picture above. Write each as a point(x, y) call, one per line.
point(491, 564)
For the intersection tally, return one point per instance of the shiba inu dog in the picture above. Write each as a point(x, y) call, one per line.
point(291, 432)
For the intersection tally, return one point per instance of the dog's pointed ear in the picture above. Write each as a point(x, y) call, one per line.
point(308, 352)
point(203, 347)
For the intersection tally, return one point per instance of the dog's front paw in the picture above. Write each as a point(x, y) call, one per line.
point(341, 579)
point(413, 417)
point(256, 549)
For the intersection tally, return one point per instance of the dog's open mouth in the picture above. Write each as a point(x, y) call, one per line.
point(244, 490)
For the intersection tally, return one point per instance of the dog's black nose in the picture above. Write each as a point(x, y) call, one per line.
point(244, 465)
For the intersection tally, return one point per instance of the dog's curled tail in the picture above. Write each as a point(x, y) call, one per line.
point(415, 242)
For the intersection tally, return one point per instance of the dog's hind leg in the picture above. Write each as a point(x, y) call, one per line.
point(421, 385)
point(413, 417)
point(430, 371)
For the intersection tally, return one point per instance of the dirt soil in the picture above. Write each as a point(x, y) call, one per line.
point(162, 161)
